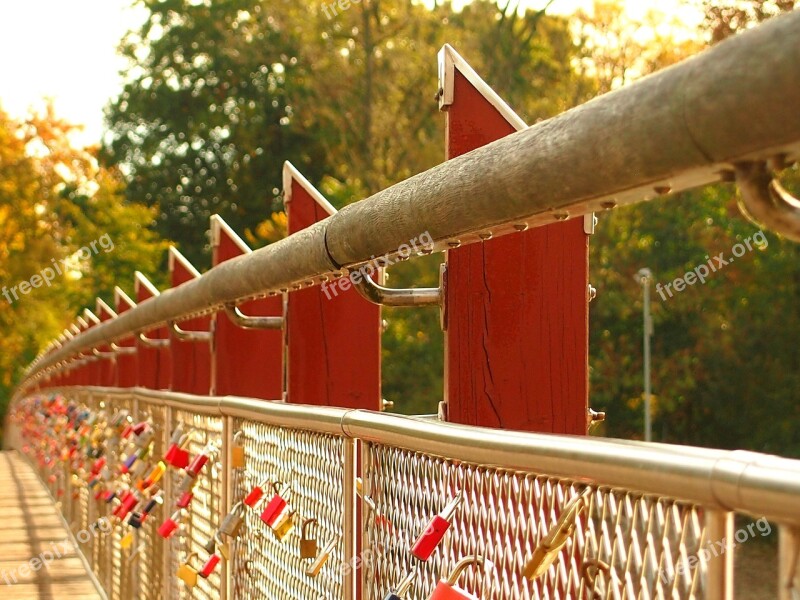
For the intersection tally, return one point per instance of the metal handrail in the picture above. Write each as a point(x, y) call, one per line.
point(654, 139)
point(737, 481)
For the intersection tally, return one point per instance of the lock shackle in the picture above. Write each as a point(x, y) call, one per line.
point(189, 558)
point(237, 435)
point(237, 506)
point(463, 565)
point(306, 523)
point(405, 583)
point(452, 506)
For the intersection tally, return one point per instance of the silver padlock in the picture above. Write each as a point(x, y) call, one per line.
point(232, 523)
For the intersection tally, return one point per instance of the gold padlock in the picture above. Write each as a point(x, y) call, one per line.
point(126, 541)
point(546, 553)
point(187, 573)
point(284, 525)
point(308, 546)
point(237, 452)
point(315, 567)
point(222, 547)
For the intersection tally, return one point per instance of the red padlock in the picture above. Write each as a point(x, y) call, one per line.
point(199, 461)
point(274, 507)
point(185, 499)
point(255, 495)
point(168, 527)
point(429, 539)
point(176, 455)
point(208, 568)
point(446, 589)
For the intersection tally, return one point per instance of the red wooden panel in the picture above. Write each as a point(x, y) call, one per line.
point(191, 361)
point(334, 342)
point(106, 367)
point(154, 370)
point(517, 306)
point(91, 370)
point(246, 362)
point(127, 367)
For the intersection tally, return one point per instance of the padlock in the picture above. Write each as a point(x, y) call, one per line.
point(168, 527)
point(284, 525)
point(232, 522)
point(136, 519)
point(154, 477)
point(547, 551)
point(222, 547)
point(308, 546)
point(446, 589)
point(126, 541)
point(127, 504)
point(152, 503)
point(430, 538)
point(274, 507)
point(184, 500)
point(402, 587)
point(237, 452)
point(315, 567)
point(187, 483)
point(255, 495)
point(200, 460)
point(211, 545)
point(177, 454)
point(187, 573)
point(208, 568)
point(128, 463)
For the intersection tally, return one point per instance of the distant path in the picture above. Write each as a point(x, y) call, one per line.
point(30, 527)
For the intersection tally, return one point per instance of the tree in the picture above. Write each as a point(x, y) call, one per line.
point(55, 200)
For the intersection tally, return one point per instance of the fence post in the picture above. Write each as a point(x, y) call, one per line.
point(191, 360)
point(127, 361)
point(516, 307)
point(245, 362)
point(107, 362)
point(333, 334)
point(154, 362)
point(91, 367)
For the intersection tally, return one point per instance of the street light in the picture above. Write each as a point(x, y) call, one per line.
point(644, 277)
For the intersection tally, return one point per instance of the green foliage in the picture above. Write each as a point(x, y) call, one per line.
point(54, 200)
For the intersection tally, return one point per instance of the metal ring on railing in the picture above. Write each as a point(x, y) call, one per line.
point(765, 201)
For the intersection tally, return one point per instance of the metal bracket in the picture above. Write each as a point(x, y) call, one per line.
point(765, 201)
point(101, 354)
point(151, 342)
point(123, 349)
point(248, 322)
point(189, 336)
point(383, 296)
point(589, 223)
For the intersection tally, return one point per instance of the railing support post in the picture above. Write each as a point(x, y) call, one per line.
point(719, 528)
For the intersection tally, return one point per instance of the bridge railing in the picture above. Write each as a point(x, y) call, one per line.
point(601, 517)
point(656, 521)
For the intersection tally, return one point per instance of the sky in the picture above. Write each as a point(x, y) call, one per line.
point(66, 50)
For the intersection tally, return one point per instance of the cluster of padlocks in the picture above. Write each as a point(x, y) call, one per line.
point(111, 454)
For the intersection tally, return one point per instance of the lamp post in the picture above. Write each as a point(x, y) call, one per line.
point(644, 277)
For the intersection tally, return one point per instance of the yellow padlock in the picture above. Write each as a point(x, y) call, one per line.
point(126, 541)
point(187, 573)
point(284, 525)
point(222, 547)
point(237, 452)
